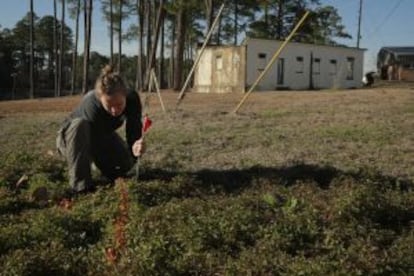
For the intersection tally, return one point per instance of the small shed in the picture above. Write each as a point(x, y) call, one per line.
point(221, 69)
point(396, 63)
point(300, 66)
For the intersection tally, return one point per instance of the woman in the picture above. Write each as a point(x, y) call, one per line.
point(89, 133)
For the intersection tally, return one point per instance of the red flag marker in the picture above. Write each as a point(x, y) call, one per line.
point(146, 124)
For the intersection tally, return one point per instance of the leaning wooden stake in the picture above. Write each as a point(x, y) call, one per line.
point(153, 82)
point(157, 88)
point(150, 82)
point(275, 56)
point(199, 55)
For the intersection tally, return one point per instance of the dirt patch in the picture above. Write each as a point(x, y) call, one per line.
point(39, 105)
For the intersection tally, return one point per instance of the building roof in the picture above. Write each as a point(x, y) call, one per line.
point(399, 50)
point(246, 39)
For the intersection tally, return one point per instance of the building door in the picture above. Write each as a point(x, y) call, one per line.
point(280, 71)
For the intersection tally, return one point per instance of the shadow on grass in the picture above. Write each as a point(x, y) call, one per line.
point(235, 180)
point(80, 232)
point(162, 186)
point(16, 206)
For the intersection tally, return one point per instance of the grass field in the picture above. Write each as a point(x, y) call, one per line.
point(298, 183)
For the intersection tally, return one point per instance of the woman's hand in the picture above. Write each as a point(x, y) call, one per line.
point(138, 148)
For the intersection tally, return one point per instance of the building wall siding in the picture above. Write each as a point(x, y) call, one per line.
point(297, 79)
point(407, 75)
point(221, 69)
point(235, 68)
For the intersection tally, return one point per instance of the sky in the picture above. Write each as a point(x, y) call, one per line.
point(384, 23)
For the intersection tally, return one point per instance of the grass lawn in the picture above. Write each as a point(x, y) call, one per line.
point(298, 183)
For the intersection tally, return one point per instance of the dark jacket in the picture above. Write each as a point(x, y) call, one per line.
point(103, 123)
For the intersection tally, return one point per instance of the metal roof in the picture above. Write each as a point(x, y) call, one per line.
point(399, 50)
point(246, 39)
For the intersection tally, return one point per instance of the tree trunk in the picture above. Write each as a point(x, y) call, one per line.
point(120, 37)
point(179, 62)
point(61, 53)
point(32, 40)
point(209, 14)
point(88, 23)
point(89, 30)
point(139, 76)
point(55, 48)
point(280, 19)
point(190, 48)
point(149, 26)
point(186, 54)
point(171, 73)
point(218, 31)
point(236, 21)
point(49, 66)
point(75, 50)
point(152, 56)
point(161, 71)
point(111, 30)
point(85, 48)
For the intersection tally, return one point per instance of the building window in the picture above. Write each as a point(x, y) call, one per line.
point(280, 71)
point(219, 62)
point(316, 66)
point(261, 63)
point(407, 62)
point(299, 64)
point(350, 63)
point(333, 67)
point(408, 66)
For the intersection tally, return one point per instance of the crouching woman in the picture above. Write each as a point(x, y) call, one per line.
point(89, 133)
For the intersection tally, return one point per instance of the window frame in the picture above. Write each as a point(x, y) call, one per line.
point(350, 68)
point(300, 64)
point(317, 61)
point(219, 62)
point(333, 62)
point(261, 61)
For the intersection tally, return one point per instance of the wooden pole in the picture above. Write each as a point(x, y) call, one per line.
point(157, 88)
point(210, 32)
point(275, 56)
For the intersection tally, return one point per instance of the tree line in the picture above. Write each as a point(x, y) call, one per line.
point(42, 54)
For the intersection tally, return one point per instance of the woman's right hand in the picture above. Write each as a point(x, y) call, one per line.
point(138, 148)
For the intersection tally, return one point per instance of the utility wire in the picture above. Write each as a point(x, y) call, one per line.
point(386, 18)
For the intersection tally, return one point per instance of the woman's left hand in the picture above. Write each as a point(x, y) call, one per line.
point(138, 148)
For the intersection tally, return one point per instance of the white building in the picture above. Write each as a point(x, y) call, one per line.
point(300, 66)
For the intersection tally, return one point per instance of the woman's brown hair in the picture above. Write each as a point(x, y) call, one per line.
point(109, 82)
